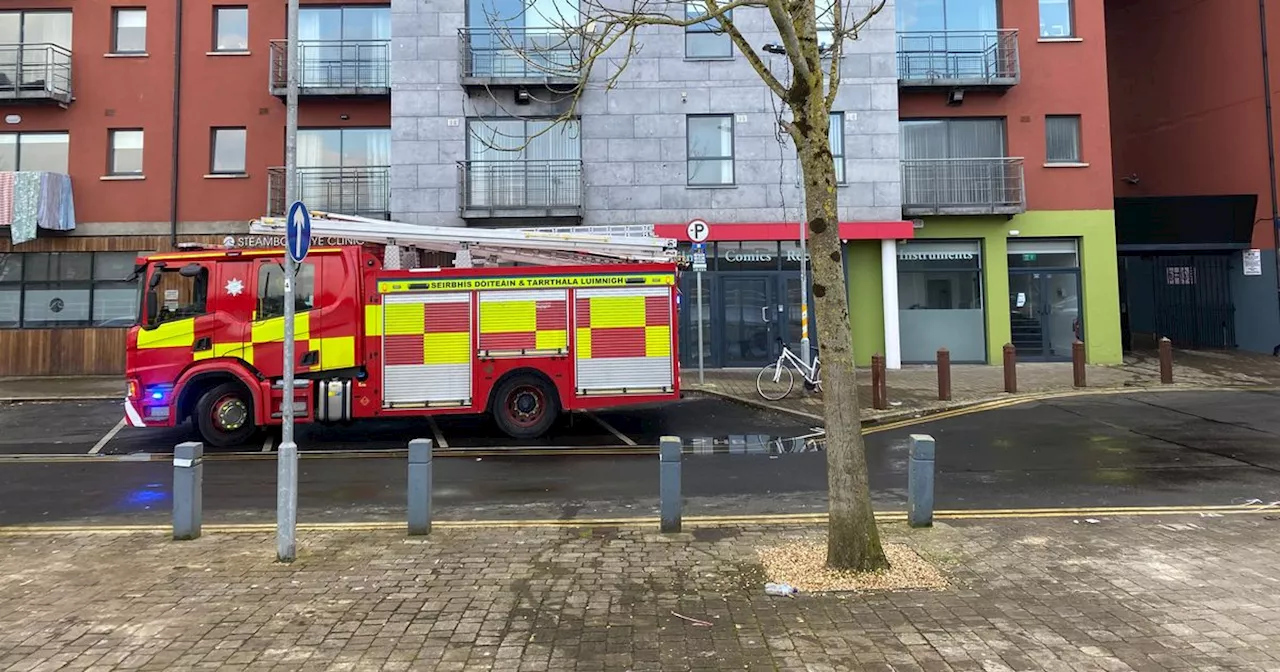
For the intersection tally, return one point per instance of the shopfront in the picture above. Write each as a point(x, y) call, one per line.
point(940, 300)
point(1045, 315)
point(750, 299)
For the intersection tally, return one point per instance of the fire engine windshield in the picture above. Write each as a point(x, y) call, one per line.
point(175, 293)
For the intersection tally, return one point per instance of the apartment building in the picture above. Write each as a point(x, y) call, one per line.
point(971, 141)
point(168, 117)
point(1196, 188)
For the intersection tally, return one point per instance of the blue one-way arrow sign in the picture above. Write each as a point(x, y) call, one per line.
point(297, 234)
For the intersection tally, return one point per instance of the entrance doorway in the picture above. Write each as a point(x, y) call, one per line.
point(749, 320)
point(1044, 313)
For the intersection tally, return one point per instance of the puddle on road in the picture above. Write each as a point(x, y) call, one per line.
point(756, 444)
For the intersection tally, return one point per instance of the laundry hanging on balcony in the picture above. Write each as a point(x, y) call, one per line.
point(31, 200)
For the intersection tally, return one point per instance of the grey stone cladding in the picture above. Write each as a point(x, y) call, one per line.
point(633, 136)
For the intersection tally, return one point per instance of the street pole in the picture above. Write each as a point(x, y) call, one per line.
point(701, 379)
point(287, 457)
point(804, 295)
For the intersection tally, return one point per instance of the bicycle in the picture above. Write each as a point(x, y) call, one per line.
point(776, 380)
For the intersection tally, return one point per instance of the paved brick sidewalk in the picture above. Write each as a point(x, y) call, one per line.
point(1047, 594)
point(914, 388)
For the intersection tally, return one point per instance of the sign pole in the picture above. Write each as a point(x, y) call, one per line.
point(287, 457)
point(804, 295)
point(698, 232)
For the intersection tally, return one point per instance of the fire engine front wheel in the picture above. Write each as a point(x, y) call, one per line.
point(525, 407)
point(224, 416)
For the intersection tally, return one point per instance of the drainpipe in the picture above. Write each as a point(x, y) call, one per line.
point(177, 127)
point(1271, 147)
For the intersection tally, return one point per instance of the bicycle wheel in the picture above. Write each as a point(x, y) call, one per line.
point(771, 389)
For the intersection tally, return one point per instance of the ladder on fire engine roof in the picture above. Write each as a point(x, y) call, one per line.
point(552, 246)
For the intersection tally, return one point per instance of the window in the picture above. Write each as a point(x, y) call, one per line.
point(706, 39)
point(710, 147)
point(1056, 19)
point(33, 28)
point(523, 163)
point(940, 300)
point(271, 290)
point(338, 45)
point(836, 133)
point(227, 155)
point(825, 10)
point(34, 151)
point(1062, 139)
point(180, 293)
point(67, 289)
point(125, 152)
point(230, 28)
point(129, 31)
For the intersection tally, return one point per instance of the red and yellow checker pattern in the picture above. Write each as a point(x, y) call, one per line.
point(523, 322)
point(623, 326)
point(426, 333)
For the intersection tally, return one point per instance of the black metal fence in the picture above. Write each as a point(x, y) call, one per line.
point(334, 64)
point(513, 185)
point(34, 71)
point(360, 191)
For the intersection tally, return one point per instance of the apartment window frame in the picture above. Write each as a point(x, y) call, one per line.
point(692, 8)
point(17, 143)
point(216, 38)
point(1070, 16)
point(213, 150)
point(116, 13)
point(690, 158)
point(836, 132)
point(113, 169)
point(22, 15)
point(1077, 150)
point(92, 286)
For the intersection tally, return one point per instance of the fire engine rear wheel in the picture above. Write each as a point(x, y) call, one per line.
point(525, 407)
point(224, 416)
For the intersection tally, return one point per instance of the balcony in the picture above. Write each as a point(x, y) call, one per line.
point(514, 57)
point(361, 191)
point(992, 186)
point(958, 59)
point(35, 73)
point(520, 189)
point(346, 68)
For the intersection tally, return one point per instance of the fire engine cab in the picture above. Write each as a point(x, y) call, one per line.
point(592, 326)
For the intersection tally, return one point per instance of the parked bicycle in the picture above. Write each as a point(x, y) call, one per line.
point(776, 380)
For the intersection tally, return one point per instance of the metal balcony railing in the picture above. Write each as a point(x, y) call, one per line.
point(492, 188)
point(958, 58)
point(336, 67)
point(362, 191)
point(35, 71)
point(531, 54)
point(963, 186)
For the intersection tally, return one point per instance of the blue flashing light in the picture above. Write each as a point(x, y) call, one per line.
point(157, 395)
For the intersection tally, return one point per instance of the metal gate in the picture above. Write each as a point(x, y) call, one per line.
point(1193, 306)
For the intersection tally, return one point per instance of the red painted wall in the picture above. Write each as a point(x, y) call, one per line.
point(217, 90)
point(1187, 99)
point(1057, 78)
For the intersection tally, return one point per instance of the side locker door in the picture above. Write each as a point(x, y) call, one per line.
point(231, 302)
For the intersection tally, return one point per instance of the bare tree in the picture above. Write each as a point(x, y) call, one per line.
point(811, 35)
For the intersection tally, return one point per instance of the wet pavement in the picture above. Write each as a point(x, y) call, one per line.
point(1144, 449)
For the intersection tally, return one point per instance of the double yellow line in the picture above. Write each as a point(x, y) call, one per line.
point(652, 522)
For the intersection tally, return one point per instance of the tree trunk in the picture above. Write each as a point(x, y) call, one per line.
point(853, 542)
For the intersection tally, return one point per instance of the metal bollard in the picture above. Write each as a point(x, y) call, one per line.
point(669, 482)
point(420, 486)
point(879, 390)
point(920, 481)
point(1010, 368)
point(1166, 361)
point(188, 484)
point(944, 374)
point(1077, 363)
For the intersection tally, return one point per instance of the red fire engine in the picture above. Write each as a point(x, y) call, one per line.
point(522, 343)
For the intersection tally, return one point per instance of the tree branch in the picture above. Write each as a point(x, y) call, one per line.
point(748, 51)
